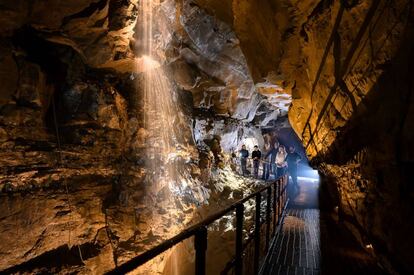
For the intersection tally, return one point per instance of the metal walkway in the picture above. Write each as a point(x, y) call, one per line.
point(297, 248)
point(311, 242)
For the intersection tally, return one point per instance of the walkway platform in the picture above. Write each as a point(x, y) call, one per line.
point(311, 242)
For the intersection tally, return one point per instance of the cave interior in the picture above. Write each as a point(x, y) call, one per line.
point(121, 123)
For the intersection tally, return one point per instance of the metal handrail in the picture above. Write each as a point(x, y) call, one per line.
point(261, 160)
point(324, 116)
point(370, 14)
point(200, 232)
point(278, 211)
point(366, 71)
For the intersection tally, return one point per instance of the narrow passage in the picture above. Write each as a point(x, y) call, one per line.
point(312, 242)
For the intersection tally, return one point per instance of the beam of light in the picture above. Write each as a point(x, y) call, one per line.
point(164, 172)
point(313, 180)
point(148, 63)
point(306, 171)
point(160, 109)
point(250, 143)
point(166, 153)
point(168, 180)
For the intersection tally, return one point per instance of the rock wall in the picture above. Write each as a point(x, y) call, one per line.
point(354, 116)
point(347, 66)
point(73, 161)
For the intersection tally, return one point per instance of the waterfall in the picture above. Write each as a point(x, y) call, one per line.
point(160, 108)
point(168, 179)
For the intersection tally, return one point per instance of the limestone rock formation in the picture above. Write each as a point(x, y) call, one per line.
point(347, 66)
point(73, 176)
point(72, 136)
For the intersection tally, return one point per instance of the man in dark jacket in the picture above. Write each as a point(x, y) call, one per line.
point(244, 154)
point(256, 155)
point(271, 165)
point(293, 159)
point(265, 164)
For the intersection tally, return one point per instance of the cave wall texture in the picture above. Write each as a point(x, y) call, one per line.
point(351, 64)
point(72, 137)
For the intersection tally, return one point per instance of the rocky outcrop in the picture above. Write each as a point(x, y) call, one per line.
point(74, 169)
point(211, 64)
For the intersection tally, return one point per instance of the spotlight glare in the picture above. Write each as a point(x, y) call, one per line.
point(369, 246)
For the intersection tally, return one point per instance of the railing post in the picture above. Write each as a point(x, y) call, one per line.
point(282, 195)
point(257, 234)
point(274, 207)
point(268, 208)
point(239, 239)
point(200, 245)
point(278, 200)
point(281, 199)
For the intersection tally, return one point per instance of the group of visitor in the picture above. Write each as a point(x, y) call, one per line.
point(275, 161)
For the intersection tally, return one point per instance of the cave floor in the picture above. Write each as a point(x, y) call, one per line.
point(312, 242)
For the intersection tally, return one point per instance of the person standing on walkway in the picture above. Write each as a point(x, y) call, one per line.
point(265, 162)
point(281, 163)
point(244, 155)
point(293, 159)
point(273, 159)
point(256, 155)
point(269, 158)
point(272, 153)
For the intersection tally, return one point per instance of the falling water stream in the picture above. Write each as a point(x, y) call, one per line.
point(167, 149)
point(160, 107)
point(166, 153)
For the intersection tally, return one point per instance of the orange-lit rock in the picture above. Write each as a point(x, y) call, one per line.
point(72, 117)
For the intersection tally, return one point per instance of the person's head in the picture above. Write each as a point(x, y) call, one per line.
point(244, 147)
point(292, 149)
point(281, 148)
point(276, 145)
point(256, 147)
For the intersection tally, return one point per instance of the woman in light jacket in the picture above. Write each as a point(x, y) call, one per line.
point(281, 164)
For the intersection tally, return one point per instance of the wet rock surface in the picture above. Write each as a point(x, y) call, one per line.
point(73, 162)
point(346, 64)
point(73, 170)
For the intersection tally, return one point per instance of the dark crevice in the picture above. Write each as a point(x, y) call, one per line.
point(320, 7)
point(349, 4)
point(57, 259)
point(99, 5)
point(48, 57)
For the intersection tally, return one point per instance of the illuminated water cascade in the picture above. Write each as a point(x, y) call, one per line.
point(160, 109)
point(168, 178)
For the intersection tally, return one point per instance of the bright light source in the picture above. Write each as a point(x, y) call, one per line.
point(250, 143)
point(146, 63)
point(308, 172)
point(314, 173)
point(369, 246)
point(149, 62)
